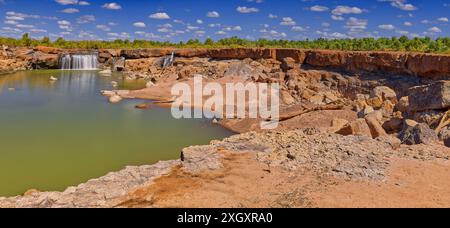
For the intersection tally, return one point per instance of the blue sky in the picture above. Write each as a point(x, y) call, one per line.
point(176, 20)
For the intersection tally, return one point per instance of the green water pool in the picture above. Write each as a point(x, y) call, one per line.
point(59, 134)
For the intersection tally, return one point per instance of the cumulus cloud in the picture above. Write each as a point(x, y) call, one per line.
point(160, 16)
point(287, 21)
point(407, 23)
point(244, 9)
point(318, 8)
point(139, 24)
point(355, 25)
point(298, 29)
point(273, 16)
point(72, 2)
point(435, 30)
point(401, 4)
point(86, 19)
point(387, 27)
point(341, 10)
point(213, 14)
point(70, 10)
point(67, 2)
point(112, 6)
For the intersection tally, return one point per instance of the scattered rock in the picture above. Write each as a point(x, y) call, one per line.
point(444, 135)
point(375, 127)
point(375, 102)
point(402, 105)
point(357, 127)
point(143, 106)
point(384, 93)
point(419, 134)
point(286, 97)
point(12, 89)
point(407, 123)
point(31, 192)
point(431, 117)
point(108, 93)
point(149, 84)
point(115, 99)
point(393, 125)
point(367, 110)
point(53, 79)
point(330, 97)
point(289, 64)
point(114, 84)
point(107, 72)
point(429, 97)
point(337, 124)
point(316, 99)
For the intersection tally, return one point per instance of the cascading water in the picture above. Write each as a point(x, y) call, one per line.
point(79, 62)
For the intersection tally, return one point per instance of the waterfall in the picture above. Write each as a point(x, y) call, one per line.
point(168, 60)
point(79, 62)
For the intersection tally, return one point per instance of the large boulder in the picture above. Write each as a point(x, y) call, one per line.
point(430, 97)
point(373, 120)
point(419, 134)
point(444, 135)
point(289, 64)
point(357, 127)
point(384, 93)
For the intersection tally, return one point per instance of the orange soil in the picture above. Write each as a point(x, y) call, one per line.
point(244, 182)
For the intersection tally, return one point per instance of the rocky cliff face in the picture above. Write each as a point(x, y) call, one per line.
point(423, 65)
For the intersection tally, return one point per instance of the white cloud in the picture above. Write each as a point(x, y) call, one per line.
point(38, 30)
point(112, 6)
point(70, 10)
point(387, 27)
point(86, 19)
point(65, 25)
point(139, 24)
point(287, 21)
point(84, 3)
point(435, 30)
point(318, 8)
point(355, 25)
point(10, 22)
point(213, 14)
point(401, 4)
point(67, 2)
point(272, 16)
point(341, 10)
point(244, 9)
point(199, 21)
point(407, 23)
point(298, 29)
point(72, 2)
point(443, 19)
point(22, 26)
point(164, 30)
point(160, 16)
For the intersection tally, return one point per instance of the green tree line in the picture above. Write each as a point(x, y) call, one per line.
point(425, 44)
